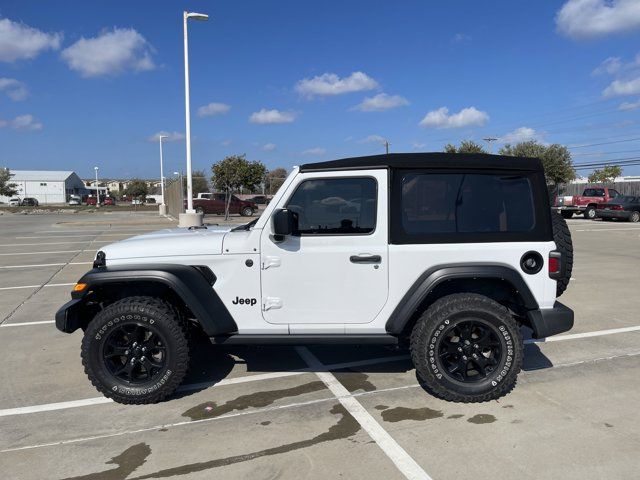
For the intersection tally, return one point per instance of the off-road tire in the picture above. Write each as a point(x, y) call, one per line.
point(155, 315)
point(590, 213)
point(634, 217)
point(566, 215)
point(246, 212)
point(431, 329)
point(562, 237)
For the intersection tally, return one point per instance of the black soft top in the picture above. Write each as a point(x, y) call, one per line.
point(428, 160)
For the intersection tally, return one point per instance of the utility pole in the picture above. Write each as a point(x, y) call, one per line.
point(489, 140)
point(386, 146)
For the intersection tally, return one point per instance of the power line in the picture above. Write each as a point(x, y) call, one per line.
point(603, 143)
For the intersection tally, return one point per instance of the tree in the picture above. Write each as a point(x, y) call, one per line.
point(199, 182)
point(556, 159)
point(605, 175)
point(137, 188)
point(466, 146)
point(274, 179)
point(235, 172)
point(7, 189)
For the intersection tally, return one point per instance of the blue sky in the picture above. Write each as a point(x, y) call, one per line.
point(291, 82)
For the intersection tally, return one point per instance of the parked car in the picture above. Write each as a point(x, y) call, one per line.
point(216, 205)
point(29, 202)
point(75, 201)
point(92, 201)
point(586, 203)
point(109, 201)
point(260, 199)
point(136, 201)
point(150, 200)
point(625, 207)
point(15, 202)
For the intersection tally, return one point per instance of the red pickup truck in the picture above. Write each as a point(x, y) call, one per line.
point(586, 203)
point(214, 203)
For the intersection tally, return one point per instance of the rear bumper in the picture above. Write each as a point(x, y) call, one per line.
point(550, 321)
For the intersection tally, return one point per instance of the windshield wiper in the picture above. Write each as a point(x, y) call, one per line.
point(246, 226)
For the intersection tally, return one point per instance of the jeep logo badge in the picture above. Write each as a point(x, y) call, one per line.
point(245, 301)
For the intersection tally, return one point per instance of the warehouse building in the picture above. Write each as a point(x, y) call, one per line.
point(47, 186)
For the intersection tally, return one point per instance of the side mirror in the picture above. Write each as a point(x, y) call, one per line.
point(285, 222)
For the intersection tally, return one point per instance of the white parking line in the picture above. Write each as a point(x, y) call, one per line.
point(398, 455)
point(26, 324)
point(38, 286)
point(44, 253)
point(46, 265)
point(573, 336)
point(83, 235)
point(607, 229)
point(50, 243)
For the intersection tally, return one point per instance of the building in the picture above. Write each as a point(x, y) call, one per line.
point(47, 186)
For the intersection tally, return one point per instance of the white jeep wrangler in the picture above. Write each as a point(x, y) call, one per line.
point(449, 253)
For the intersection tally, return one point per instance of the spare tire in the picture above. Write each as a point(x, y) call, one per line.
point(564, 245)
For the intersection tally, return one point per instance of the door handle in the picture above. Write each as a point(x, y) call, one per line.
point(365, 258)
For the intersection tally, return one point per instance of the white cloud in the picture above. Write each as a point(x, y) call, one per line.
point(466, 117)
point(314, 151)
point(619, 88)
point(381, 102)
point(26, 123)
point(521, 134)
point(269, 147)
point(14, 89)
point(19, 41)
point(373, 139)
point(110, 53)
point(226, 143)
point(629, 105)
point(418, 145)
point(461, 38)
point(171, 136)
point(3, 123)
point(332, 84)
point(265, 116)
point(213, 109)
point(593, 18)
point(611, 65)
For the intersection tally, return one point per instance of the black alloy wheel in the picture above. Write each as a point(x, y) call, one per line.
point(470, 351)
point(133, 353)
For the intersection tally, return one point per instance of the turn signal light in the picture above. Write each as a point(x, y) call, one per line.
point(79, 287)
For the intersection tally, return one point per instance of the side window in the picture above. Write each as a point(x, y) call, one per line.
point(593, 192)
point(335, 206)
point(466, 203)
point(613, 193)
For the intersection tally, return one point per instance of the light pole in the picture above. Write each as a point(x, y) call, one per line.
point(190, 217)
point(97, 189)
point(163, 207)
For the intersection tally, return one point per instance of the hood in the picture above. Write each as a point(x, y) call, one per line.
point(169, 242)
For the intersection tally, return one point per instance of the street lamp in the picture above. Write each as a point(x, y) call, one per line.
point(97, 189)
point(190, 217)
point(163, 207)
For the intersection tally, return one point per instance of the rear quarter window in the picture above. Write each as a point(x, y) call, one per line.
point(467, 207)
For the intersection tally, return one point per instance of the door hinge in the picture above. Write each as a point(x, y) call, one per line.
point(268, 262)
point(269, 303)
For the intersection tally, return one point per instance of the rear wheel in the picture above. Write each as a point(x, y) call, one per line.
point(634, 217)
point(200, 210)
point(590, 213)
point(467, 348)
point(564, 244)
point(136, 351)
point(247, 212)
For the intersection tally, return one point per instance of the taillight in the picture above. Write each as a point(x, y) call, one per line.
point(555, 264)
point(616, 207)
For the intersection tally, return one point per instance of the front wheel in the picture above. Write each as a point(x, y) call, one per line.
point(135, 351)
point(467, 348)
point(247, 212)
point(634, 217)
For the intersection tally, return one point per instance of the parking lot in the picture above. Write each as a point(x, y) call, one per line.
point(317, 412)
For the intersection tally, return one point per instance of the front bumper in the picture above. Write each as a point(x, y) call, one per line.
point(569, 208)
point(550, 321)
point(622, 214)
point(68, 316)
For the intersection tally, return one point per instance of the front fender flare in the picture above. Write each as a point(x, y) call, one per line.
point(189, 283)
